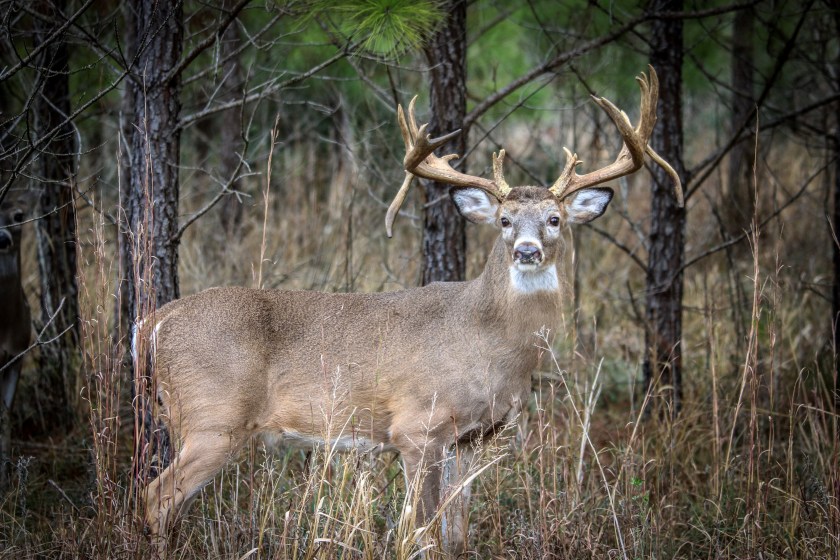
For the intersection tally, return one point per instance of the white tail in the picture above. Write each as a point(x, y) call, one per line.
point(413, 371)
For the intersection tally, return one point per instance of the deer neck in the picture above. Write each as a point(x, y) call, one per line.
point(523, 302)
point(10, 273)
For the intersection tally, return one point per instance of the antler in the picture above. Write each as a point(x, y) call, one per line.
point(632, 154)
point(421, 161)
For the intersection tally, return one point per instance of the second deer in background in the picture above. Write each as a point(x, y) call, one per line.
point(15, 323)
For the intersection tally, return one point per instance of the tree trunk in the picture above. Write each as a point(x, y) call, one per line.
point(150, 253)
point(836, 288)
point(741, 199)
point(836, 237)
point(123, 305)
point(444, 237)
point(56, 230)
point(152, 203)
point(231, 133)
point(664, 288)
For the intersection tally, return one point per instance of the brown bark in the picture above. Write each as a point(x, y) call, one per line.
point(664, 288)
point(741, 195)
point(444, 236)
point(123, 305)
point(836, 236)
point(149, 249)
point(836, 261)
point(231, 132)
point(56, 229)
point(152, 198)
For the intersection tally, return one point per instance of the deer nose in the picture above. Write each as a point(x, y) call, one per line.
point(5, 239)
point(527, 253)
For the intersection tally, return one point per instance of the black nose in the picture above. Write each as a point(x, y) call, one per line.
point(527, 253)
point(5, 239)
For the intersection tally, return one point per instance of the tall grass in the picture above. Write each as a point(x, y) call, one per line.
point(749, 469)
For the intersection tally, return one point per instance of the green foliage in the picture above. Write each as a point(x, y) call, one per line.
point(384, 28)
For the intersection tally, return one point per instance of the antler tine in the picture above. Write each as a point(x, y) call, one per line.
point(632, 155)
point(499, 173)
point(421, 161)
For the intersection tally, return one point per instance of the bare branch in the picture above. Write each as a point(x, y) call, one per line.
point(264, 92)
point(47, 42)
point(735, 240)
point(38, 341)
point(692, 180)
point(207, 42)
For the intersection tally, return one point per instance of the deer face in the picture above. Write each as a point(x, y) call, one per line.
point(11, 215)
point(531, 220)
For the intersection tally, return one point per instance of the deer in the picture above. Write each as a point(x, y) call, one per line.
point(417, 371)
point(15, 323)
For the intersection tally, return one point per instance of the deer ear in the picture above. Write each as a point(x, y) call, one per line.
point(587, 204)
point(475, 205)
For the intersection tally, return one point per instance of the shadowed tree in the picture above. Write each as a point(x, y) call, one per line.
point(152, 204)
point(56, 227)
point(148, 251)
point(741, 195)
point(231, 129)
point(664, 283)
point(836, 232)
point(444, 236)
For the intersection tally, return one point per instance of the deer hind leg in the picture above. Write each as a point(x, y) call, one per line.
point(201, 457)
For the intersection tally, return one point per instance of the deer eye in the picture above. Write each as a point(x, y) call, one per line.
point(554, 221)
point(17, 216)
point(505, 222)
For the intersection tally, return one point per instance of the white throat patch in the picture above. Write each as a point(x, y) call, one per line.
point(530, 281)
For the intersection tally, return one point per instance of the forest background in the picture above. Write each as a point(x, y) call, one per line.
point(689, 406)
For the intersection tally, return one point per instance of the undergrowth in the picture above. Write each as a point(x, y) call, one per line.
point(747, 469)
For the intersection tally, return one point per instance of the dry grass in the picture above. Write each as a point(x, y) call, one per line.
point(748, 470)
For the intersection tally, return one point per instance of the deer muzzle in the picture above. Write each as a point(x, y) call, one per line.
point(6, 241)
point(527, 252)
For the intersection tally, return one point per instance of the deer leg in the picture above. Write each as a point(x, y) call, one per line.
point(423, 472)
point(455, 524)
point(201, 457)
point(9, 380)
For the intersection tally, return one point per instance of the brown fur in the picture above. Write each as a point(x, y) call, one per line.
point(15, 323)
point(411, 371)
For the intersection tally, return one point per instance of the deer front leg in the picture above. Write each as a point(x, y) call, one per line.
point(423, 476)
point(7, 395)
point(455, 525)
point(423, 469)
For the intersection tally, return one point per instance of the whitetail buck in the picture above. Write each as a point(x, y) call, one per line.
point(413, 371)
point(15, 324)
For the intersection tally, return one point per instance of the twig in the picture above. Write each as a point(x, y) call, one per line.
point(64, 495)
point(47, 42)
point(38, 341)
point(189, 119)
point(203, 45)
point(764, 222)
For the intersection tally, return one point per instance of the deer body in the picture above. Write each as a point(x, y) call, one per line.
point(415, 371)
point(412, 371)
point(306, 360)
point(15, 324)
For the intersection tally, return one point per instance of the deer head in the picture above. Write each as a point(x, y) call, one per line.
point(11, 215)
point(530, 217)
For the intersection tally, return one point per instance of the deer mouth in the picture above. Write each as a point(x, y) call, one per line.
point(6, 242)
point(528, 256)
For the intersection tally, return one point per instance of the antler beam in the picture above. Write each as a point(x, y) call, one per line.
point(632, 155)
point(421, 161)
